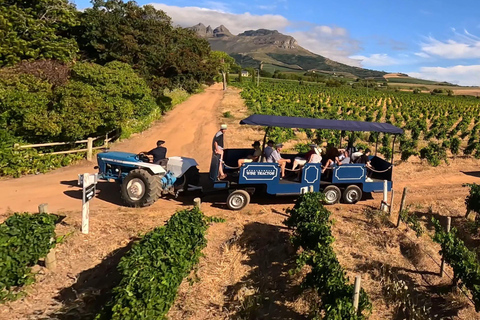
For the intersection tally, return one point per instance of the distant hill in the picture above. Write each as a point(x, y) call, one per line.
point(277, 52)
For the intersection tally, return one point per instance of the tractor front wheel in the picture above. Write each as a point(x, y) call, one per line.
point(140, 188)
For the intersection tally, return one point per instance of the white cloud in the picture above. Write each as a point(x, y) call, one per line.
point(236, 23)
point(329, 41)
point(422, 55)
point(463, 75)
point(376, 60)
point(464, 46)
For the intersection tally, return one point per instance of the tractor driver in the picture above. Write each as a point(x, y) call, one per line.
point(159, 153)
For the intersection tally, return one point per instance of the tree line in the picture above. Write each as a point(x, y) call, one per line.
point(67, 74)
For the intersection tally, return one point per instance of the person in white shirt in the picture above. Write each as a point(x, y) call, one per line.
point(354, 156)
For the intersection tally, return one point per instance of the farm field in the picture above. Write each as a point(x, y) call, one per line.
point(433, 124)
point(244, 273)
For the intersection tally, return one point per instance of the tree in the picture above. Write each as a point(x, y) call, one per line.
point(144, 37)
point(223, 63)
point(36, 29)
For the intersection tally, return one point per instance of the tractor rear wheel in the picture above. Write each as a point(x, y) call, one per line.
point(140, 188)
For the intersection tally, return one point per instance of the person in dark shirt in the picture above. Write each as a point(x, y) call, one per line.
point(364, 158)
point(217, 149)
point(159, 153)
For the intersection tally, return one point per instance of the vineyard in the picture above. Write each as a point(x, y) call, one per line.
point(434, 125)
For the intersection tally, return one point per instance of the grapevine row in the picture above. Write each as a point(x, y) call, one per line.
point(311, 226)
point(449, 122)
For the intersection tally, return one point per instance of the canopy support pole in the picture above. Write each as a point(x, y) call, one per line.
point(264, 142)
point(393, 147)
point(376, 144)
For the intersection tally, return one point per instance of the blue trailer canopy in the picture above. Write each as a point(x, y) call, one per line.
point(311, 123)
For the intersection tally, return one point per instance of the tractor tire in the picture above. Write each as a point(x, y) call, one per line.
point(332, 194)
point(140, 188)
point(352, 194)
point(191, 176)
point(238, 199)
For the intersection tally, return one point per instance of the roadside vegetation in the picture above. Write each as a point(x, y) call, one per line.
point(66, 75)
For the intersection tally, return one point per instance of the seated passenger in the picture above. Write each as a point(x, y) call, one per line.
point(251, 158)
point(355, 155)
point(365, 160)
point(339, 160)
point(300, 161)
point(316, 157)
point(276, 157)
point(268, 150)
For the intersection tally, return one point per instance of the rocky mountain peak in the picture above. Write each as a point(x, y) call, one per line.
point(259, 32)
point(221, 31)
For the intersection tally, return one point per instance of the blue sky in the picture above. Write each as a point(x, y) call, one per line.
point(431, 39)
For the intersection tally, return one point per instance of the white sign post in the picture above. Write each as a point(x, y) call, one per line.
point(88, 183)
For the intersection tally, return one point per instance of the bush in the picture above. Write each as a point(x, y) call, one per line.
point(434, 153)
point(472, 201)
point(24, 238)
point(154, 268)
point(463, 261)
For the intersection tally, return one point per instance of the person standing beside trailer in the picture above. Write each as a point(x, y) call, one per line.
point(217, 148)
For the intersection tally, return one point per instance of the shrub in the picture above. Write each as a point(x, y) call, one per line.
point(24, 238)
point(463, 261)
point(154, 268)
point(472, 201)
point(434, 153)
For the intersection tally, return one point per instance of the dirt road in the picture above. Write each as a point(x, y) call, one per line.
point(187, 131)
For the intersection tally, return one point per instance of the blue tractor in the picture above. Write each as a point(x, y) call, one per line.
point(142, 182)
point(347, 182)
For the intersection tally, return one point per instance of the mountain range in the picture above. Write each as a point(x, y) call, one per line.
point(276, 51)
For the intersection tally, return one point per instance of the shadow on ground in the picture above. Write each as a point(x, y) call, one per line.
point(434, 297)
point(106, 191)
point(264, 293)
point(472, 173)
point(92, 290)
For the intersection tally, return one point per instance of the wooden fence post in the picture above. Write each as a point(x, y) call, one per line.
point(442, 265)
point(356, 292)
point(105, 143)
point(50, 259)
point(391, 204)
point(402, 205)
point(197, 203)
point(90, 149)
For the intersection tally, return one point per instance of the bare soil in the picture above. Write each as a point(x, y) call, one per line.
point(244, 274)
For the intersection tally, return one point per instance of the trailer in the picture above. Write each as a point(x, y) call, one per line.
point(348, 182)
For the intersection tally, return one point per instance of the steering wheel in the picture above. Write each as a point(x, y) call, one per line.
point(143, 157)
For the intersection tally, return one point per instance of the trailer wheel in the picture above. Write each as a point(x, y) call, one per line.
point(332, 194)
point(238, 200)
point(140, 188)
point(352, 194)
